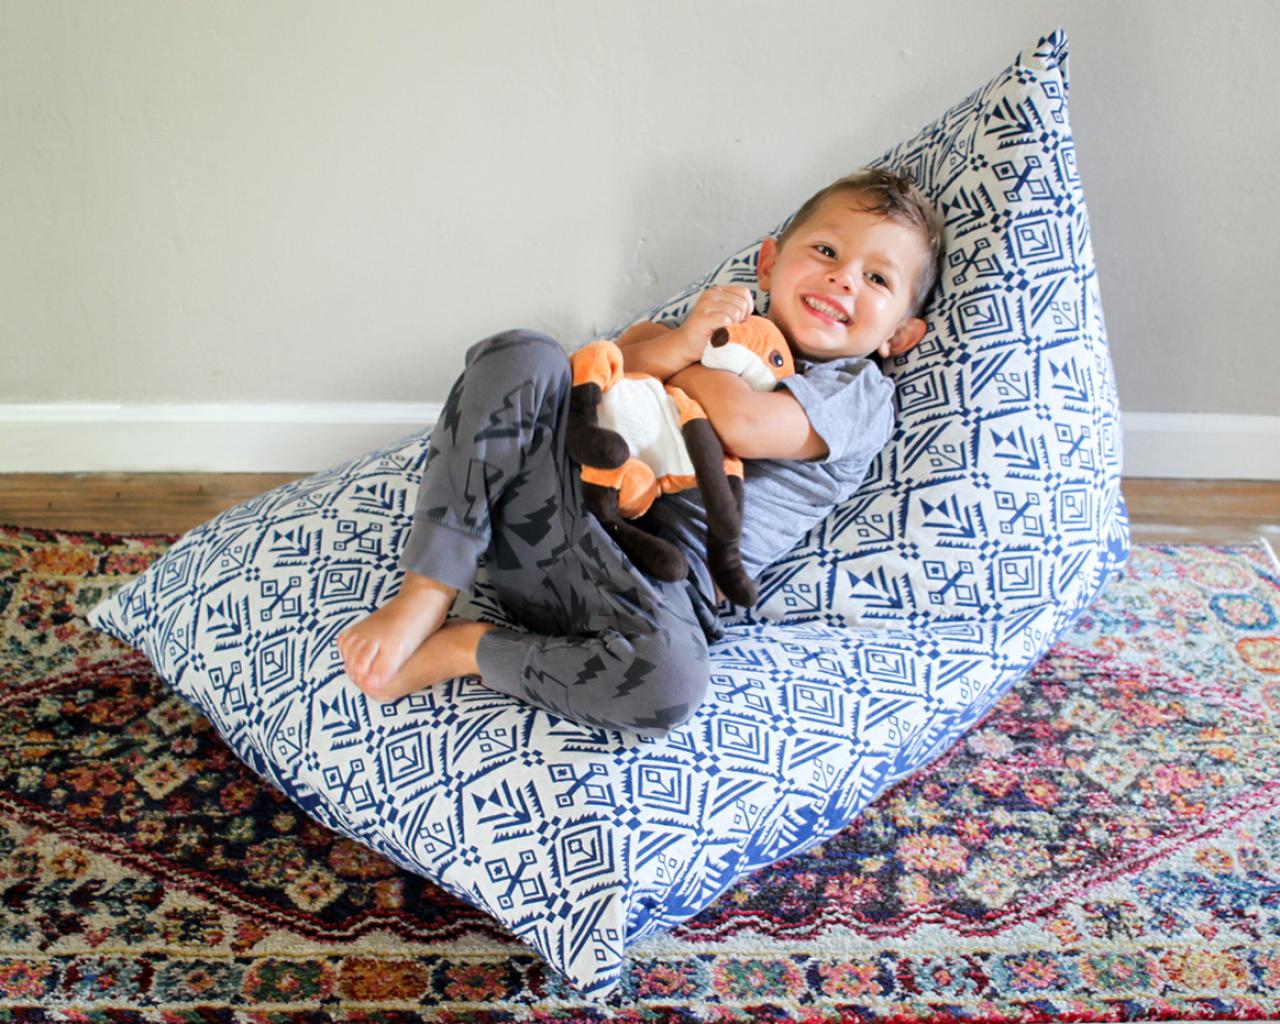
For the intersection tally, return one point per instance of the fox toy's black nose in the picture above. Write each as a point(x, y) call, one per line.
point(720, 336)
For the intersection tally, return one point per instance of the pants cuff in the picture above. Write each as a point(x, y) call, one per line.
point(500, 657)
point(444, 553)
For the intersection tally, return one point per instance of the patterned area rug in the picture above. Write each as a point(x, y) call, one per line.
point(1105, 845)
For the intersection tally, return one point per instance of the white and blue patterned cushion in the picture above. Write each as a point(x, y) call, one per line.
point(990, 520)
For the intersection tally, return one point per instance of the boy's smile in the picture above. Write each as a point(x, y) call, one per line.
point(843, 282)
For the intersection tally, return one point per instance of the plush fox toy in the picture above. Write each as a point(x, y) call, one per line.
point(636, 438)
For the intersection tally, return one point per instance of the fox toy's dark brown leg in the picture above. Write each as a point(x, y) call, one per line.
point(588, 443)
point(723, 497)
point(724, 559)
point(597, 367)
point(650, 554)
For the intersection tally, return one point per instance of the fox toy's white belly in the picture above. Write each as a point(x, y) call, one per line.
point(646, 416)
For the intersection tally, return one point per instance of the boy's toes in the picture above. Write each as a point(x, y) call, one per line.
point(381, 668)
point(366, 661)
point(355, 659)
point(350, 648)
point(347, 645)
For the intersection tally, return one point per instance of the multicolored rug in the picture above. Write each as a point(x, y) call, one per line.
point(1105, 845)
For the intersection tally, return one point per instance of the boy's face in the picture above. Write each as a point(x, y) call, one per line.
point(861, 265)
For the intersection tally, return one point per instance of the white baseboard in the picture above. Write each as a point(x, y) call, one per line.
point(216, 438)
point(1204, 446)
point(241, 438)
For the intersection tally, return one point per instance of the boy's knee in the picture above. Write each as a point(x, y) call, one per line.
point(522, 356)
point(518, 336)
point(676, 687)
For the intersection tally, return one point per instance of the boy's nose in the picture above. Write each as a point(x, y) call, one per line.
point(841, 279)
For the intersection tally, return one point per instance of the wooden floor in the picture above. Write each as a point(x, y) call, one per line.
point(1206, 511)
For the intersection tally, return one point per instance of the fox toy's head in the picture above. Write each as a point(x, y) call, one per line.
point(755, 350)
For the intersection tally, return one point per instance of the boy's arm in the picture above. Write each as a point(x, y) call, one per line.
point(642, 330)
point(752, 424)
point(656, 349)
point(661, 351)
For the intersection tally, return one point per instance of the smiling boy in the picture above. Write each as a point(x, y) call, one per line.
point(847, 280)
point(601, 643)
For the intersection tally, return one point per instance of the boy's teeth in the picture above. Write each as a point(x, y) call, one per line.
point(822, 307)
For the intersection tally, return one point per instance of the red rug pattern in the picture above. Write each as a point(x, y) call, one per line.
point(1104, 845)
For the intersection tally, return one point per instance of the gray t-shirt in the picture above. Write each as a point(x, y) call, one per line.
point(849, 403)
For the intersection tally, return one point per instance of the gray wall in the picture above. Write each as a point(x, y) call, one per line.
point(325, 201)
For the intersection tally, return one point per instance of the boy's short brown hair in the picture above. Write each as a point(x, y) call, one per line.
point(891, 194)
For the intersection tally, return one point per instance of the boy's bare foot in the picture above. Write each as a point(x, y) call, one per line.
point(375, 647)
point(447, 653)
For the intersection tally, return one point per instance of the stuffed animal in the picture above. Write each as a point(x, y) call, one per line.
point(636, 438)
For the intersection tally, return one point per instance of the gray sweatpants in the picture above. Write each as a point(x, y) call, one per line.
point(607, 645)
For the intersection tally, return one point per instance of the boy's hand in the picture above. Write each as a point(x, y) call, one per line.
point(661, 351)
point(721, 306)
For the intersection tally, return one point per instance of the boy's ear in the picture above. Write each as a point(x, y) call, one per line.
point(904, 339)
point(764, 265)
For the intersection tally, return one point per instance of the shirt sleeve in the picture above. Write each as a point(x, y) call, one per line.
point(849, 403)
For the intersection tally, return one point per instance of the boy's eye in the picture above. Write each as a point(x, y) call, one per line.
point(878, 279)
point(825, 249)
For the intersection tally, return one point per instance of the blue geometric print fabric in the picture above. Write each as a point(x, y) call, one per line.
point(991, 519)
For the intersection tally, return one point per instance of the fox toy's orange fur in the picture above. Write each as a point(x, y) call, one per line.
point(639, 480)
point(669, 446)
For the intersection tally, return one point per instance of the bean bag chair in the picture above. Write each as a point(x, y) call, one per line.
point(989, 522)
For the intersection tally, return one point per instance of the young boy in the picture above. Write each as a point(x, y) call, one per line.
point(607, 645)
